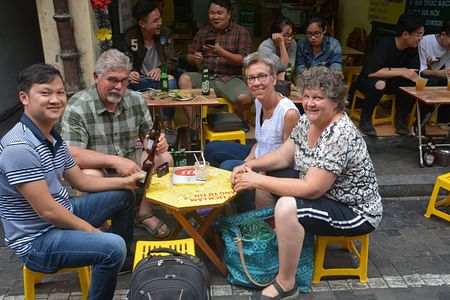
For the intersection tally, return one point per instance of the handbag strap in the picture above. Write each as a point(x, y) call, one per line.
point(238, 242)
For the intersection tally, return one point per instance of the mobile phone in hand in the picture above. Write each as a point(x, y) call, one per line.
point(211, 42)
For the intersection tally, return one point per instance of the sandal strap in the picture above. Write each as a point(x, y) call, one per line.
point(277, 286)
point(145, 217)
point(158, 227)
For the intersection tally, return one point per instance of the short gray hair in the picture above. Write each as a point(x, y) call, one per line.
point(256, 57)
point(112, 59)
point(331, 82)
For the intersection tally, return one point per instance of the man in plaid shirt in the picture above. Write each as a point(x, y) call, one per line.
point(105, 126)
point(222, 46)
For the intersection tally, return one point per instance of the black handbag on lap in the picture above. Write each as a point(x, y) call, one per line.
point(223, 121)
point(174, 277)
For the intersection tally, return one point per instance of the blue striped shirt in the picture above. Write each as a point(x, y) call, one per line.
point(26, 155)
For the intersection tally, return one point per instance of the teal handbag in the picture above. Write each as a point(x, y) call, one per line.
point(252, 260)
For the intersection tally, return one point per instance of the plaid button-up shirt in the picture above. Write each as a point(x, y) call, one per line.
point(87, 124)
point(235, 39)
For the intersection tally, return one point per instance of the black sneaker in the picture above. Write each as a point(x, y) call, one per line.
point(127, 266)
point(366, 127)
point(402, 130)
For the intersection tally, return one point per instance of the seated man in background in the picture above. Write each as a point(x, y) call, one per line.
point(392, 63)
point(151, 48)
point(434, 53)
point(105, 127)
point(47, 229)
point(221, 45)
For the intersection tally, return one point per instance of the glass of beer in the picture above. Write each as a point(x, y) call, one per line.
point(421, 83)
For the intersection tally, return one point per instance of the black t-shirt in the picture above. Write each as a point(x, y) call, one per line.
point(387, 55)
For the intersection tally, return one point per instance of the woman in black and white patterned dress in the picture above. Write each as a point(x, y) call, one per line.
point(336, 192)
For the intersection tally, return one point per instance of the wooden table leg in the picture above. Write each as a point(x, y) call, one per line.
point(200, 240)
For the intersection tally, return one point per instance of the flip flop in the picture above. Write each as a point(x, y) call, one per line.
point(292, 294)
point(153, 231)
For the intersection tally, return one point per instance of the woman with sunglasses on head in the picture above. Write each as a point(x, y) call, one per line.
point(317, 48)
point(276, 115)
point(280, 47)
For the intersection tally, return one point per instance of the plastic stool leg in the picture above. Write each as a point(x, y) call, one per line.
point(432, 202)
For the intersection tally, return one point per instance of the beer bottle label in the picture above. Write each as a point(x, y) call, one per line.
point(205, 87)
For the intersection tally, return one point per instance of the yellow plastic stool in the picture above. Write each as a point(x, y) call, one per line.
point(379, 116)
point(346, 242)
point(30, 278)
point(210, 135)
point(443, 181)
point(186, 246)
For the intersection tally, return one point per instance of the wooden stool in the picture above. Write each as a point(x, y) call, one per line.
point(346, 242)
point(443, 181)
point(30, 278)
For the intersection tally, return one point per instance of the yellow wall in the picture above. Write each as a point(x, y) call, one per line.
point(352, 14)
point(83, 26)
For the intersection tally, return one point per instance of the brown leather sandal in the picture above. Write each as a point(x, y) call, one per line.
point(153, 231)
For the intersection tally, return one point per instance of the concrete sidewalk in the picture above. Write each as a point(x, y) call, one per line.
point(409, 255)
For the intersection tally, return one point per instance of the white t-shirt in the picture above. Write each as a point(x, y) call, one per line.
point(430, 48)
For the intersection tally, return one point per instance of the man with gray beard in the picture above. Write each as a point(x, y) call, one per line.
point(105, 127)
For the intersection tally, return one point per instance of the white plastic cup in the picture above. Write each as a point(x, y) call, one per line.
point(201, 170)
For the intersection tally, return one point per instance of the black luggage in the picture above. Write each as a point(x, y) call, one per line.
point(174, 277)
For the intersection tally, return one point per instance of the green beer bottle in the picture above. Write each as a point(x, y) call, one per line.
point(205, 80)
point(288, 73)
point(164, 79)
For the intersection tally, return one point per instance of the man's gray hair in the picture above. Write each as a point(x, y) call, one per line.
point(112, 59)
point(256, 57)
point(331, 82)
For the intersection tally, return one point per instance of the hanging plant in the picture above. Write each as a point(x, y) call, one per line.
point(104, 32)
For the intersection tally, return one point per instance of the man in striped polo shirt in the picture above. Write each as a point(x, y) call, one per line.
point(47, 229)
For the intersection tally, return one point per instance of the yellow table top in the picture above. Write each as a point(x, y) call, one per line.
point(213, 193)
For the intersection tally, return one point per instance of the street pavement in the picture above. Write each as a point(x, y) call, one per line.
point(409, 256)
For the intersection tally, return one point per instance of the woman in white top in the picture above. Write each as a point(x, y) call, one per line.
point(280, 46)
point(275, 117)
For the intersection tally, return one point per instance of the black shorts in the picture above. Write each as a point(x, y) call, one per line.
point(324, 216)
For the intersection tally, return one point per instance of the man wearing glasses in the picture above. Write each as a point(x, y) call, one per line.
point(105, 127)
point(392, 63)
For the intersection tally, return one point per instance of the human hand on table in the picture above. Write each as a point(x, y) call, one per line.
point(245, 179)
point(237, 170)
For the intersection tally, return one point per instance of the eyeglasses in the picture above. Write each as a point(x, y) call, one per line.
point(114, 81)
point(315, 34)
point(288, 35)
point(261, 78)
